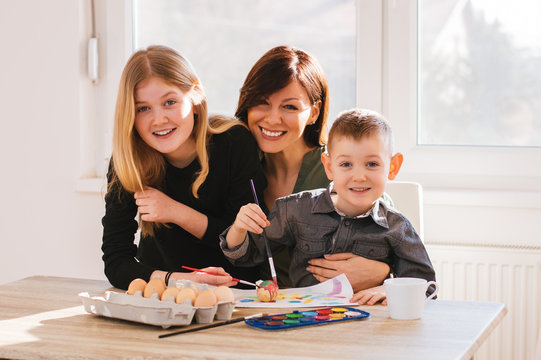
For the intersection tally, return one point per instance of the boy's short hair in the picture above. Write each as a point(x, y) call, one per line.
point(358, 123)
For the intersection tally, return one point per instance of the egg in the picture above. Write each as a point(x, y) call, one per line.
point(267, 290)
point(154, 286)
point(184, 294)
point(136, 285)
point(205, 298)
point(188, 284)
point(223, 293)
point(170, 292)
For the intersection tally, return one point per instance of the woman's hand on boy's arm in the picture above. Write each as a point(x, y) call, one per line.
point(361, 272)
point(250, 218)
point(370, 296)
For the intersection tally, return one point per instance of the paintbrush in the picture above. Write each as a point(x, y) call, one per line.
point(267, 246)
point(227, 322)
point(210, 273)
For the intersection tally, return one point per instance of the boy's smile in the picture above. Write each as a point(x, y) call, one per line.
point(359, 170)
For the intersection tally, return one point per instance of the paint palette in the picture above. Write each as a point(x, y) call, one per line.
point(303, 318)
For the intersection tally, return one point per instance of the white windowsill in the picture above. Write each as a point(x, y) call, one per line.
point(482, 198)
point(431, 195)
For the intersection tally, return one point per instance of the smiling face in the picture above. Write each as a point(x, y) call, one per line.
point(278, 123)
point(164, 119)
point(359, 169)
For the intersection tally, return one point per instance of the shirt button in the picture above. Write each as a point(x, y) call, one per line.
point(371, 252)
point(306, 247)
point(346, 223)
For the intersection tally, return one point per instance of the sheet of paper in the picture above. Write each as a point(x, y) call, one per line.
point(333, 292)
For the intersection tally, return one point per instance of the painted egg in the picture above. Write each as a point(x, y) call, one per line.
point(223, 293)
point(205, 298)
point(170, 292)
point(154, 286)
point(136, 285)
point(267, 290)
point(185, 294)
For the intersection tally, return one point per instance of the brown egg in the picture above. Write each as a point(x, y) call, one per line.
point(170, 292)
point(223, 293)
point(188, 284)
point(185, 293)
point(154, 286)
point(136, 285)
point(205, 298)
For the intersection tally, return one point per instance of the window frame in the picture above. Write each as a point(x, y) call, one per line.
point(113, 26)
point(386, 82)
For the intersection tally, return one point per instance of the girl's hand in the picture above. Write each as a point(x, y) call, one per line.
point(250, 218)
point(221, 277)
point(370, 296)
point(362, 273)
point(155, 206)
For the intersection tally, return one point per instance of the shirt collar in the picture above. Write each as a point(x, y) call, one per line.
point(324, 204)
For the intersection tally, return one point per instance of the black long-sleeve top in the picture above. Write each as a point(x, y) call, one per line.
point(233, 161)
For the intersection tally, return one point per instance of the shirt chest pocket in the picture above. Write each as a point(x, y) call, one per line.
point(371, 250)
point(314, 240)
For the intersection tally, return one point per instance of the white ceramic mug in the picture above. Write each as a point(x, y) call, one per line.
point(406, 297)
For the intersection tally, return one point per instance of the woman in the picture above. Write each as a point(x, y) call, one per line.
point(185, 175)
point(284, 101)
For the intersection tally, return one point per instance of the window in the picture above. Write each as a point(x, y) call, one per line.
point(376, 55)
point(479, 78)
point(440, 151)
point(223, 39)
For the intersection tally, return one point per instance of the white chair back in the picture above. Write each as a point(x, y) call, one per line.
point(408, 199)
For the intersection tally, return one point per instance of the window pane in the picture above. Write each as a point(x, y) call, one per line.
point(480, 72)
point(223, 39)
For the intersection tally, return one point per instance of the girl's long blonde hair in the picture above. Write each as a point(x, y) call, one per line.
point(136, 164)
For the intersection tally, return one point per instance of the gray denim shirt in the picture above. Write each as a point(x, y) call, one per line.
point(308, 224)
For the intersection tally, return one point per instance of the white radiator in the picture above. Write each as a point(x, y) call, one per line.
point(511, 276)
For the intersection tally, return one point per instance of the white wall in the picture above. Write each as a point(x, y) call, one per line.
point(46, 227)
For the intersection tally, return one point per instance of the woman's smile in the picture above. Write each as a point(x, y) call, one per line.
point(271, 134)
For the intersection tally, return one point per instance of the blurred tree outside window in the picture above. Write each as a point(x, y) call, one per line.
point(479, 73)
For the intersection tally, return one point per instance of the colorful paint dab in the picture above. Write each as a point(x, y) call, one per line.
point(333, 292)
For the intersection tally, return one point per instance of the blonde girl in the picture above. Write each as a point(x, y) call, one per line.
point(184, 175)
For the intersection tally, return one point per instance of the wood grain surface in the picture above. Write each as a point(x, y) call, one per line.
point(43, 318)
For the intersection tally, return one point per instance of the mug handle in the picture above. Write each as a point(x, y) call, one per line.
point(435, 291)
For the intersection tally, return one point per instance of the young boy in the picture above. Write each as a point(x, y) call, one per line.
point(348, 216)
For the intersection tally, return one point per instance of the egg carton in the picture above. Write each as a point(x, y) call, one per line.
point(153, 311)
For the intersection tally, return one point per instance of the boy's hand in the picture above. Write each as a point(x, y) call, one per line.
point(155, 206)
point(250, 218)
point(370, 296)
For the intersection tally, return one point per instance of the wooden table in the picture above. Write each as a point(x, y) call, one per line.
point(43, 318)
